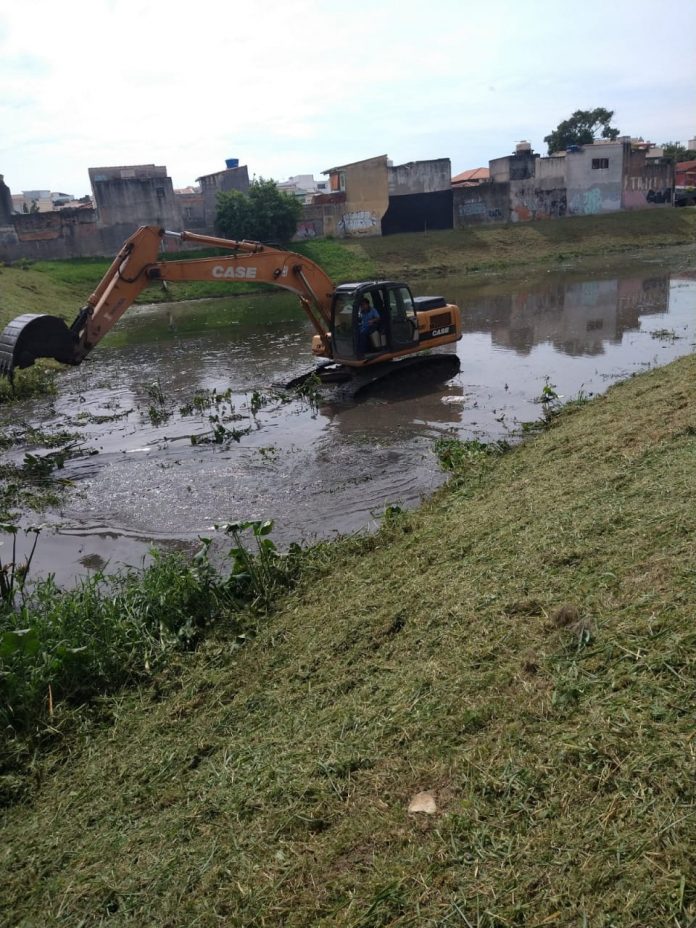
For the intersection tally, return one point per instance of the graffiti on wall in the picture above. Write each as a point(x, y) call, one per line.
point(308, 229)
point(478, 210)
point(587, 202)
point(640, 199)
point(650, 187)
point(533, 204)
point(472, 208)
point(659, 196)
point(362, 222)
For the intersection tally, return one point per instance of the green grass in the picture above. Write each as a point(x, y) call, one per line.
point(522, 647)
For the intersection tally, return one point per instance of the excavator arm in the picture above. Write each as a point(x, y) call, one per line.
point(136, 266)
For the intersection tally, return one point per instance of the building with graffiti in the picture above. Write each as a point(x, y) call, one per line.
point(376, 197)
point(604, 177)
point(361, 198)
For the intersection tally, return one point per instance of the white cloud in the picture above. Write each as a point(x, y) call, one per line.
point(297, 86)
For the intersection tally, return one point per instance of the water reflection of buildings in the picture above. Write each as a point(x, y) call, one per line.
point(576, 317)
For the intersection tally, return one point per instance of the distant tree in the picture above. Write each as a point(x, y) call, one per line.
point(233, 217)
point(264, 214)
point(581, 129)
point(675, 152)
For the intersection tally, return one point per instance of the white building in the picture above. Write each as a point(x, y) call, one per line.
point(303, 186)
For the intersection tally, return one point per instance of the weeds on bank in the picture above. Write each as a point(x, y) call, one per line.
point(467, 461)
point(258, 576)
point(553, 406)
point(13, 575)
point(61, 648)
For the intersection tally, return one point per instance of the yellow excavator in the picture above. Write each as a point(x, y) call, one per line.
point(401, 327)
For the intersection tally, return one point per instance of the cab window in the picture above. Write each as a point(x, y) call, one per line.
point(343, 328)
point(402, 317)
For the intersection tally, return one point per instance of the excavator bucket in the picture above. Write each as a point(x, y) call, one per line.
point(33, 336)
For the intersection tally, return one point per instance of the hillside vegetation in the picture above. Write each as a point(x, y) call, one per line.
point(521, 649)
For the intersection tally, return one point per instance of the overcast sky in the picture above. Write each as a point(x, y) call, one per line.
point(298, 86)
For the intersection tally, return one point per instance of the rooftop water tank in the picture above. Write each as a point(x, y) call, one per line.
point(232, 163)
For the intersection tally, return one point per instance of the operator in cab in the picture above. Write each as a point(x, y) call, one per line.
point(369, 321)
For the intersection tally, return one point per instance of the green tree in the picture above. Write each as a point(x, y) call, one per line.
point(676, 152)
point(581, 129)
point(264, 214)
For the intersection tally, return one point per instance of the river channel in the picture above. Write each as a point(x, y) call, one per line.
point(151, 472)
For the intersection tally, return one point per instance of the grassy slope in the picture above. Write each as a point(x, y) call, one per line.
point(506, 248)
point(270, 785)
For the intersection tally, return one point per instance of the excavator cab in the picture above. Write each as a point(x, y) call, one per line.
point(397, 330)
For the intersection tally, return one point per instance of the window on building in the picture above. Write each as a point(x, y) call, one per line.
point(338, 181)
point(599, 164)
point(160, 192)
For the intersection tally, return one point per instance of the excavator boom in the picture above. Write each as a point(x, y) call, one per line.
point(136, 266)
point(403, 326)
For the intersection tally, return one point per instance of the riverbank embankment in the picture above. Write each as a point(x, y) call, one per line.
point(515, 657)
point(588, 243)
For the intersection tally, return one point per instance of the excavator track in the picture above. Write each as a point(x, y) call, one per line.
point(350, 383)
point(406, 375)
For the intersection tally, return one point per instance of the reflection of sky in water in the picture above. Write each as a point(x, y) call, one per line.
point(323, 471)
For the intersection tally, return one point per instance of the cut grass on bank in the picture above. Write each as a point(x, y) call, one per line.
point(521, 648)
point(517, 248)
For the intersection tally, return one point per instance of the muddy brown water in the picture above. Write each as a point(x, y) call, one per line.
point(318, 470)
